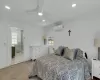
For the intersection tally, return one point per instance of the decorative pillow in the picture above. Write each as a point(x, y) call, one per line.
point(59, 51)
point(79, 54)
point(69, 54)
point(66, 50)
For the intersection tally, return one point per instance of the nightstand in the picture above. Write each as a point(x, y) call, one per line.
point(96, 69)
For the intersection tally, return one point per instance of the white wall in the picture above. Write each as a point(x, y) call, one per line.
point(32, 36)
point(3, 46)
point(82, 36)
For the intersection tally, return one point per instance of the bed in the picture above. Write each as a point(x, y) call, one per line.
point(54, 67)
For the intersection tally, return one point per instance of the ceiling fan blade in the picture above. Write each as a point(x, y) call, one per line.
point(46, 13)
point(33, 10)
point(41, 5)
point(49, 17)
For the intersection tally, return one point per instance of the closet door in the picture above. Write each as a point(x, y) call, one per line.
point(3, 46)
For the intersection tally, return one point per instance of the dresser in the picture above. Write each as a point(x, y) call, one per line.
point(38, 51)
point(96, 69)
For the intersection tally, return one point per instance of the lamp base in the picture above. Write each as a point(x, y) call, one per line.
point(98, 53)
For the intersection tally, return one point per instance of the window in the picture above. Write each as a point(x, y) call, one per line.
point(14, 38)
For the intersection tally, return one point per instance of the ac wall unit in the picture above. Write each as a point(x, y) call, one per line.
point(58, 28)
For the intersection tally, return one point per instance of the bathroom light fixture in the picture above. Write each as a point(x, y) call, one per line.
point(73, 5)
point(7, 7)
point(40, 14)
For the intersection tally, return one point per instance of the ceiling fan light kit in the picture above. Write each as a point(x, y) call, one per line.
point(38, 9)
point(40, 13)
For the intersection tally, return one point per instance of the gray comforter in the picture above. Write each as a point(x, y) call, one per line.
point(52, 67)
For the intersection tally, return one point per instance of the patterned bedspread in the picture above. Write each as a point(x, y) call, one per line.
point(52, 67)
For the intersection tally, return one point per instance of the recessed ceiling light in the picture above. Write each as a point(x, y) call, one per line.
point(43, 20)
point(73, 5)
point(7, 7)
point(40, 14)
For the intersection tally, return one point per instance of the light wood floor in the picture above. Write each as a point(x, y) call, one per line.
point(16, 72)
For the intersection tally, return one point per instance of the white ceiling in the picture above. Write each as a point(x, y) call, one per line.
point(56, 10)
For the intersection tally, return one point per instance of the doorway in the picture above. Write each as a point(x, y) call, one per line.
point(17, 45)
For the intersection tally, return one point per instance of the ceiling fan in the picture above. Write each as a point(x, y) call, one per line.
point(39, 11)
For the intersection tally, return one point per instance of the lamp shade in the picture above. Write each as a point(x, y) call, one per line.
point(97, 42)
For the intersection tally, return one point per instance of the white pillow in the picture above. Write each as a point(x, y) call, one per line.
point(69, 54)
